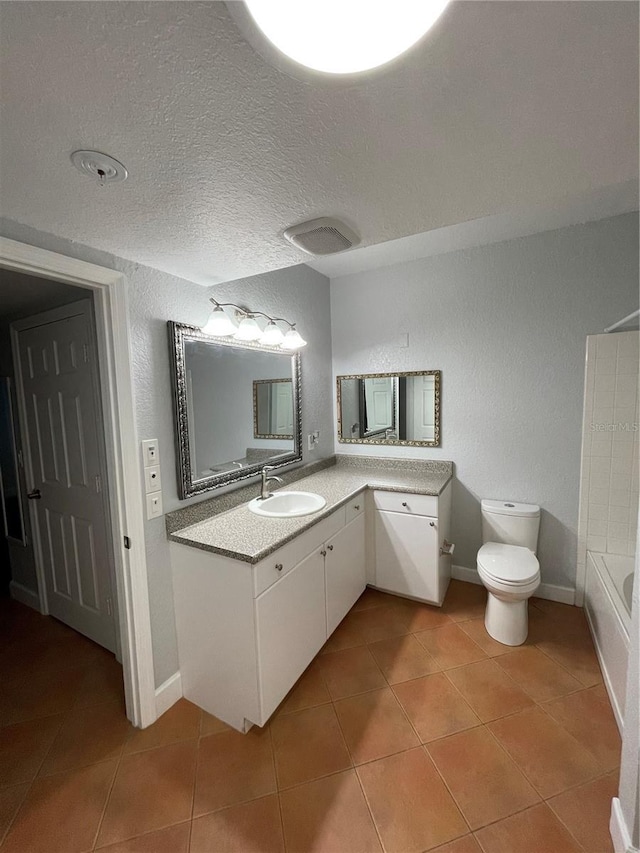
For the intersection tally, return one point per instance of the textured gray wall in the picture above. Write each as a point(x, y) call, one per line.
point(506, 324)
point(298, 293)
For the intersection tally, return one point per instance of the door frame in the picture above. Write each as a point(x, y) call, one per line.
point(109, 288)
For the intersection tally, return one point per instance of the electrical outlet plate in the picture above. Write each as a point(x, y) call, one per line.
point(154, 506)
point(150, 452)
point(152, 480)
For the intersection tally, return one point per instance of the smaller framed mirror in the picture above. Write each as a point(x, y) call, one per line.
point(389, 408)
point(273, 408)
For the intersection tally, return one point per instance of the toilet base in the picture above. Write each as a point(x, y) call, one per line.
point(507, 621)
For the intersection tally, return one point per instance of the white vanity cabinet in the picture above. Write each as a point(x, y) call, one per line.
point(246, 632)
point(410, 533)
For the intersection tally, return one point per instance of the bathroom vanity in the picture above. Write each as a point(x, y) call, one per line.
point(256, 598)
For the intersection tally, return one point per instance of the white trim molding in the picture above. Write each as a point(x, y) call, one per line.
point(618, 830)
point(127, 506)
point(168, 693)
point(25, 596)
point(550, 591)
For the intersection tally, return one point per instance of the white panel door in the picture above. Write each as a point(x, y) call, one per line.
point(65, 436)
point(291, 626)
point(378, 394)
point(421, 393)
point(345, 571)
point(407, 554)
point(282, 408)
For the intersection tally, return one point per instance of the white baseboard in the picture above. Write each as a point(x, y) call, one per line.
point(550, 591)
point(24, 596)
point(618, 829)
point(168, 693)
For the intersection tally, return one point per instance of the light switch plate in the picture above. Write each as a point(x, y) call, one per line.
point(152, 480)
point(154, 505)
point(150, 452)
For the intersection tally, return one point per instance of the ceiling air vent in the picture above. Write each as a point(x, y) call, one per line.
point(323, 236)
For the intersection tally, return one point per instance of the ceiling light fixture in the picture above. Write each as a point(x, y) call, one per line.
point(103, 168)
point(344, 36)
point(245, 327)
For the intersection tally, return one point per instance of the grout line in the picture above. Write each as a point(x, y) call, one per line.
point(275, 776)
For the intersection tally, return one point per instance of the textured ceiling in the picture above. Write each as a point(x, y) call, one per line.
point(504, 106)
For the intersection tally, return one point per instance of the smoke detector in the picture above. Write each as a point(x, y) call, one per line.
point(101, 167)
point(324, 236)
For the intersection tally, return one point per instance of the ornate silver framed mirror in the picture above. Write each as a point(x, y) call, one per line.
point(219, 415)
point(389, 408)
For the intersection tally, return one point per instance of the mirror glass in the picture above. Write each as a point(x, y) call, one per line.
point(390, 408)
point(237, 408)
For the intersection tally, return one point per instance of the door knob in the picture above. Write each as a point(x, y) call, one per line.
point(34, 495)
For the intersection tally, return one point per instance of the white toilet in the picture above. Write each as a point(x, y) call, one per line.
point(508, 567)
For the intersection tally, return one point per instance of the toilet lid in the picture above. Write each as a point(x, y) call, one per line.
point(508, 563)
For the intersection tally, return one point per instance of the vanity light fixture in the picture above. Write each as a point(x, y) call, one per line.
point(220, 325)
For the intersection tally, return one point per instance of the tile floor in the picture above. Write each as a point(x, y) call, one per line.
point(411, 731)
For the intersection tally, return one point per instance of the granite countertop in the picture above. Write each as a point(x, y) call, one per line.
point(242, 535)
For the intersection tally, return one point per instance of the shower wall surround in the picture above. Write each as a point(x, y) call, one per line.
point(610, 448)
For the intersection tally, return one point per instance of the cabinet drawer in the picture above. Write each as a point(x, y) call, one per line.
point(266, 572)
point(355, 507)
point(408, 504)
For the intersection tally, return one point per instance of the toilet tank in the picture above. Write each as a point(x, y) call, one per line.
point(511, 523)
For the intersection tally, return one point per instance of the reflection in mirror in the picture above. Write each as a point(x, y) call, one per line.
point(273, 408)
point(237, 409)
point(390, 408)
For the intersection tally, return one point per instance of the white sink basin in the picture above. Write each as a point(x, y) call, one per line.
point(288, 504)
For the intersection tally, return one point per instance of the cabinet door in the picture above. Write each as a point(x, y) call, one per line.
point(291, 628)
point(407, 555)
point(345, 571)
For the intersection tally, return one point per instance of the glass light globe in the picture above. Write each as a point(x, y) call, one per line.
point(219, 324)
point(344, 36)
point(248, 330)
point(293, 340)
point(272, 335)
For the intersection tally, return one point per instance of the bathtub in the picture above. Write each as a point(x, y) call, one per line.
point(607, 604)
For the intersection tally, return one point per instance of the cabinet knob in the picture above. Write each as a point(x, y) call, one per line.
point(357, 506)
point(432, 524)
point(279, 567)
point(330, 547)
point(323, 552)
point(404, 503)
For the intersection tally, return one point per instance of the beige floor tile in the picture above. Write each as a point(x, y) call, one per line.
point(23, 748)
point(489, 691)
point(450, 646)
point(587, 716)
point(10, 801)
point(180, 722)
point(550, 758)
point(253, 827)
point(435, 707)
point(88, 735)
point(586, 810)
point(475, 629)
point(308, 744)
point(465, 601)
point(486, 783)
point(351, 671)
point(61, 813)
point(536, 830)
point(346, 636)
point(173, 839)
point(402, 658)
point(537, 674)
point(411, 807)
point(233, 768)
point(381, 623)
point(374, 725)
point(308, 692)
point(329, 815)
point(152, 790)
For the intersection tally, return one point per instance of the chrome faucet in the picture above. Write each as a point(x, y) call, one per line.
point(264, 489)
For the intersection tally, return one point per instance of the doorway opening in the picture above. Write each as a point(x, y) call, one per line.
point(82, 562)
